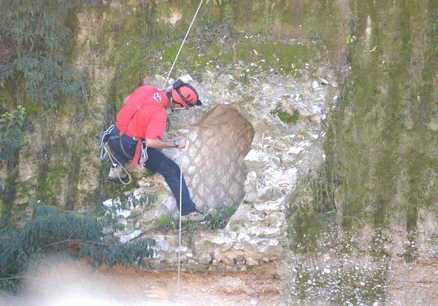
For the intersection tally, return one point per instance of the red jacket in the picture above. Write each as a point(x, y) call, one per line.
point(143, 115)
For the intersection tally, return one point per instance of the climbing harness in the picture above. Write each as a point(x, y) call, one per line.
point(144, 154)
point(103, 140)
point(107, 154)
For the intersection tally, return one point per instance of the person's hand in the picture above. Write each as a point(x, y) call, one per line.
point(180, 142)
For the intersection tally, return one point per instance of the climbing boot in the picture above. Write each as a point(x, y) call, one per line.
point(117, 173)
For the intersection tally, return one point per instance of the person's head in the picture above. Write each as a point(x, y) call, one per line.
point(183, 95)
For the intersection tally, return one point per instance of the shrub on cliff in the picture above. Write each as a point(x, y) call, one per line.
point(51, 231)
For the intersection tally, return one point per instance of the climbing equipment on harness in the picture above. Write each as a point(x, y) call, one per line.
point(144, 154)
point(107, 154)
point(103, 140)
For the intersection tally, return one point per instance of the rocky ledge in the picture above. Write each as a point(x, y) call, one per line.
point(257, 149)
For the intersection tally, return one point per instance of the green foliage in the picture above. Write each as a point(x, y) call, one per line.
point(49, 231)
point(52, 231)
point(131, 254)
point(12, 125)
point(167, 222)
point(287, 58)
point(135, 40)
point(380, 149)
point(311, 211)
point(212, 221)
point(286, 117)
point(190, 226)
point(139, 46)
point(49, 78)
point(305, 229)
point(37, 33)
point(220, 217)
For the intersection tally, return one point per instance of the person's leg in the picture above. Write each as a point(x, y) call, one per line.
point(158, 162)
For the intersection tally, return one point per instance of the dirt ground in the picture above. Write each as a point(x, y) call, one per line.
point(257, 287)
point(408, 284)
point(71, 283)
point(414, 284)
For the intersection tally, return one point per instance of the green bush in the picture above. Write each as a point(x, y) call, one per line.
point(38, 34)
point(51, 231)
point(220, 218)
point(130, 254)
point(12, 126)
point(167, 222)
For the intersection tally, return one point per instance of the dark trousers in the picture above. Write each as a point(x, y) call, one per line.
point(158, 162)
point(124, 148)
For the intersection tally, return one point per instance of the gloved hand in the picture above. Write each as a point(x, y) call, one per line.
point(180, 142)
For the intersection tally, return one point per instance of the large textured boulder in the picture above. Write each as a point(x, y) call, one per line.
point(213, 163)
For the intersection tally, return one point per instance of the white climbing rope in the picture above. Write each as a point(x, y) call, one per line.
point(183, 42)
point(180, 161)
point(179, 225)
point(180, 216)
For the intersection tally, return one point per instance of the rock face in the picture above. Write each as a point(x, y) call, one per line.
point(327, 265)
point(213, 163)
point(258, 133)
point(241, 155)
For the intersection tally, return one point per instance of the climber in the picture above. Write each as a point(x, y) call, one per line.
point(137, 137)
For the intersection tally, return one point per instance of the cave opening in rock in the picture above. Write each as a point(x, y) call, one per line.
point(213, 164)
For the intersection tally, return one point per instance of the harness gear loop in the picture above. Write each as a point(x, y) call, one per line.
point(144, 154)
point(107, 154)
point(103, 140)
point(115, 162)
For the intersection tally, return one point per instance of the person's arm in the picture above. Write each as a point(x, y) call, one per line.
point(155, 133)
point(156, 143)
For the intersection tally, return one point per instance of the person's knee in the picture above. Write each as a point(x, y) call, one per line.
point(169, 169)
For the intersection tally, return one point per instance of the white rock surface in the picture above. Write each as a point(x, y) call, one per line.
point(280, 155)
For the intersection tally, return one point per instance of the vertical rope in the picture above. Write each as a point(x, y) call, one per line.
point(180, 166)
point(183, 42)
point(180, 215)
point(179, 227)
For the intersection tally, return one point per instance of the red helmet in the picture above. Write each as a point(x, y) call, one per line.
point(184, 94)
